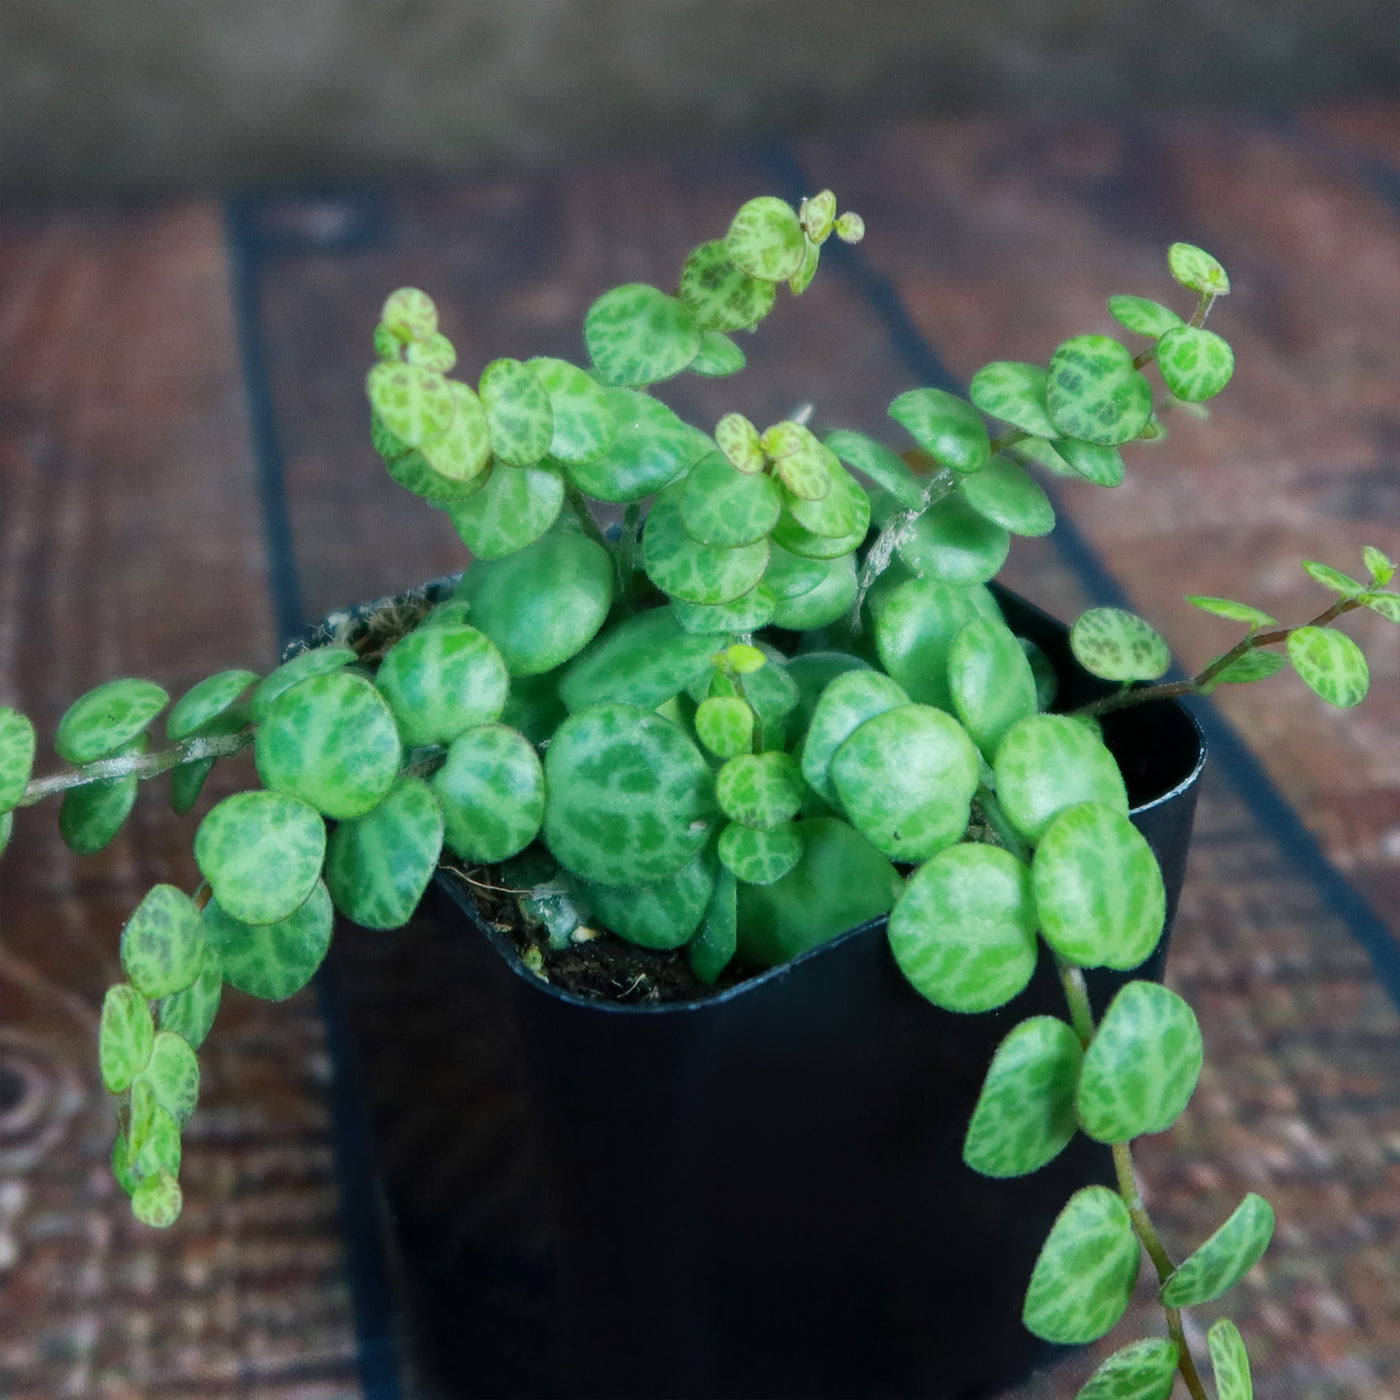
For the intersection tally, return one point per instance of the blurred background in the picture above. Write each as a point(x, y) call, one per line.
point(121, 96)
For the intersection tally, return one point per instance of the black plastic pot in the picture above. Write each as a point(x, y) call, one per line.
point(758, 1194)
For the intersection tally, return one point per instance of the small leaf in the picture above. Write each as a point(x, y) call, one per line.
point(1143, 316)
point(1141, 1067)
point(1118, 646)
point(313, 662)
point(16, 756)
point(1047, 763)
point(519, 415)
point(1100, 464)
point(874, 460)
point(1097, 886)
point(848, 700)
point(415, 403)
point(849, 227)
point(205, 702)
point(1331, 665)
point(1381, 569)
point(1387, 604)
point(1195, 364)
point(802, 278)
point(1195, 268)
point(760, 857)
point(162, 943)
point(515, 507)
point(651, 448)
point(950, 430)
point(1254, 665)
point(662, 915)
point(1025, 1113)
point(1332, 578)
point(1096, 393)
point(955, 543)
point(963, 930)
point(716, 941)
point(823, 605)
point(107, 718)
point(190, 1013)
point(1143, 1370)
point(761, 790)
point(817, 215)
point(693, 572)
point(491, 789)
point(725, 724)
point(717, 356)
point(644, 660)
point(1085, 1273)
point(91, 815)
point(1228, 608)
point(739, 440)
point(766, 240)
point(173, 1074)
point(725, 508)
point(1015, 393)
point(584, 425)
point(441, 680)
point(126, 1033)
point(721, 295)
point(409, 315)
point(637, 335)
point(158, 1152)
point(914, 631)
point(1230, 1361)
point(991, 682)
point(437, 352)
point(157, 1201)
point(261, 853)
point(272, 960)
point(457, 457)
point(186, 783)
point(1006, 494)
point(1225, 1258)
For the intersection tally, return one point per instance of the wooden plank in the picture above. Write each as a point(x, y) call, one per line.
point(130, 544)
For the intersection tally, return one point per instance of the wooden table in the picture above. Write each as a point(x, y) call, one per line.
point(185, 478)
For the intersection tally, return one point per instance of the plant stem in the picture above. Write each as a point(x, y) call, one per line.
point(140, 765)
point(1081, 1013)
point(626, 558)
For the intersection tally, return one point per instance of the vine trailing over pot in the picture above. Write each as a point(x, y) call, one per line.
point(782, 703)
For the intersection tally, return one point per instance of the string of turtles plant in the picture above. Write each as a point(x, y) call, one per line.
point(788, 705)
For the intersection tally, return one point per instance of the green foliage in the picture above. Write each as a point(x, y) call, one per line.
point(1230, 1361)
point(107, 719)
point(162, 946)
point(1225, 1258)
point(1114, 644)
point(1096, 393)
point(276, 958)
point(1142, 1370)
point(1331, 665)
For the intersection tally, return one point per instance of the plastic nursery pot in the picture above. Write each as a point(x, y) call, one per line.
point(757, 1194)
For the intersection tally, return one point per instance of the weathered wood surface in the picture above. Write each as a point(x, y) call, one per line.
point(127, 472)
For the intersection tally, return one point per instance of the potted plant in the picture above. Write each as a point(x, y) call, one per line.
point(778, 728)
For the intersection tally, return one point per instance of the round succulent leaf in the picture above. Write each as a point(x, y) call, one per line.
point(1096, 393)
point(261, 853)
point(661, 915)
point(796, 539)
point(739, 440)
point(173, 1074)
point(378, 866)
point(1101, 465)
point(415, 403)
point(190, 1013)
point(725, 725)
point(914, 631)
point(409, 315)
point(272, 960)
point(1225, 1258)
point(761, 790)
point(1015, 393)
point(756, 609)
point(162, 943)
point(712, 948)
point(1007, 495)
point(1047, 763)
point(768, 688)
point(1098, 888)
point(1331, 665)
point(1385, 603)
point(644, 661)
point(650, 448)
point(186, 783)
point(760, 856)
point(1230, 1361)
point(491, 788)
point(874, 460)
point(1194, 364)
point(1143, 316)
point(1118, 646)
point(766, 240)
point(205, 702)
point(829, 601)
point(519, 415)
point(953, 542)
point(791, 575)
point(461, 453)
point(16, 756)
point(1144, 1370)
point(1195, 268)
point(839, 882)
point(159, 1151)
point(1254, 665)
point(415, 473)
point(1025, 1113)
point(725, 508)
point(437, 352)
point(441, 679)
point(543, 604)
point(315, 661)
point(963, 928)
point(848, 700)
point(991, 681)
point(948, 428)
point(125, 1035)
point(817, 215)
point(1141, 1067)
point(696, 573)
point(157, 1201)
point(514, 508)
point(717, 356)
point(584, 425)
point(91, 815)
point(629, 796)
point(1332, 578)
point(332, 741)
point(1086, 1270)
point(637, 335)
point(905, 778)
point(721, 295)
point(1236, 612)
point(802, 278)
point(107, 718)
